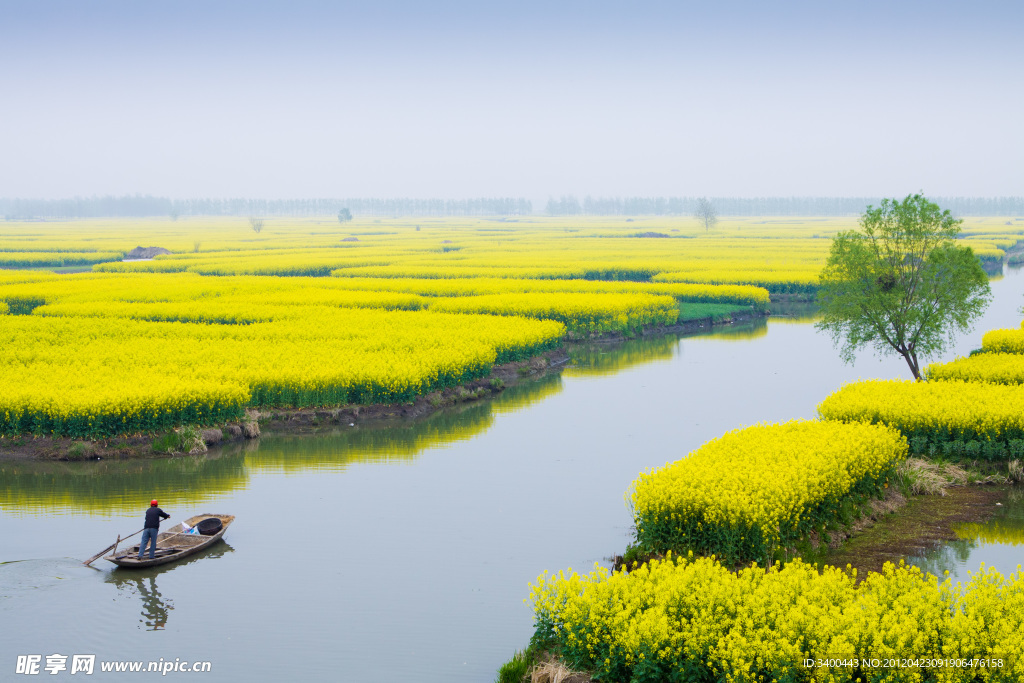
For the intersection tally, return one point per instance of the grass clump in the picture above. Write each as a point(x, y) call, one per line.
point(81, 450)
point(192, 441)
point(1016, 472)
point(251, 424)
point(922, 477)
point(167, 444)
point(186, 439)
point(515, 670)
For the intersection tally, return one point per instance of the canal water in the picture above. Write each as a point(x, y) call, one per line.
point(404, 551)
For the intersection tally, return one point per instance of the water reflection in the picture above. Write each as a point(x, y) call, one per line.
point(741, 331)
point(947, 557)
point(602, 358)
point(995, 542)
point(118, 485)
point(527, 393)
point(156, 608)
point(795, 312)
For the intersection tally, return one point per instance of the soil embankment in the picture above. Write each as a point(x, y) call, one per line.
point(27, 446)
point(922, 524)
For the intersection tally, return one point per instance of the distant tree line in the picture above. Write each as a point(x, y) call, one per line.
point(766, 206)
point(567, 205)
point(139, 206)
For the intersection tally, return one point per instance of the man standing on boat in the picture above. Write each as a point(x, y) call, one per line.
point(153, 516)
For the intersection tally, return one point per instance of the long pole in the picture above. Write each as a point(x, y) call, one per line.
point(109, 548)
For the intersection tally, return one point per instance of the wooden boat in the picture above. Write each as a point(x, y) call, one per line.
point(173, 544)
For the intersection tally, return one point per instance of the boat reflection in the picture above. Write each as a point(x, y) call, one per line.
point(156, 608)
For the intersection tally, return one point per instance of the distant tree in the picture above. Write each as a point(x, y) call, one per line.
point(567, 205)
point(344, 216)
point(256, 224)
point(706, 213)
point(900, 283)
point(173, 215)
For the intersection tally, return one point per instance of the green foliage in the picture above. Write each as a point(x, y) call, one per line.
point(900, 284)
point(80, 450)
point(632, 555)
point(191, 439)
point(186, 439)
point(514, 670)
point(23, 305)
point(167, 444)
point(344, 216)
point(941, 446)
point(714, 312)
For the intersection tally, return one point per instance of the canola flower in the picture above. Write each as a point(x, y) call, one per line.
point(782, 254)
point(980, 417)
point(101, 376)
point(788, 280)
point(96, 354)
point(691, 619)
point(758, 488)
point(585, 313)
point(584, 307)
point(453, 287)
point(994, 368)
point(1003, 341)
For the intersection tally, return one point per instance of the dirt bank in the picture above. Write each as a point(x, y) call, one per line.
point(921, 524)
point(29, 447)
point(502, 376)
point(284, 420)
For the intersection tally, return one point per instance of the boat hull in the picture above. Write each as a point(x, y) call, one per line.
point(171, 545)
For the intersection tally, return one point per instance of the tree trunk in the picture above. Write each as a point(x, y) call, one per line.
point(912, 363)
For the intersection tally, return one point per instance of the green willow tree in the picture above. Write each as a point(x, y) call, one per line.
point(901, 284)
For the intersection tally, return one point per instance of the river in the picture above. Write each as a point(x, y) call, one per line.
point(403, 551)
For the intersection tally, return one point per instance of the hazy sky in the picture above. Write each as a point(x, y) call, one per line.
point(463, 99)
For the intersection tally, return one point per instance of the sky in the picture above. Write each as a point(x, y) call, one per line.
point(517, 99)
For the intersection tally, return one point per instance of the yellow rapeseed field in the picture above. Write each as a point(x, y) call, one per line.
point(693, 619)
point(996, 368)
point(1003, 341)
point(594, 275)
point(755, 489)
point(981, 419)
point(99, 375)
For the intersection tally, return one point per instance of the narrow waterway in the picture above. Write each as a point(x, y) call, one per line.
point(403, 551)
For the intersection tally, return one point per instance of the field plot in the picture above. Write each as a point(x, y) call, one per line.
point(311, 312)
point(756, 489)
point(695, 616)
point(106, 354)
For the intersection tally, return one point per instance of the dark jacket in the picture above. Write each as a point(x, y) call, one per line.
point(153, 517)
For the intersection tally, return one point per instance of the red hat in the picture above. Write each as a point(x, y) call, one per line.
point(152, 502)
